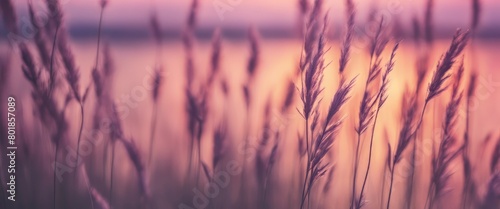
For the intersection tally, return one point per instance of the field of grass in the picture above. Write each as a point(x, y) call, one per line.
point(371, 119)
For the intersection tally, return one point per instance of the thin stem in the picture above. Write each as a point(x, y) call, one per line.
point(211, 203)
point(413, 166)
point(369, 155)
point(90, 193)
point(99, 38)
point(112, 169)
point(96, 65)
point(105, 159)
point(431, 204)
point(80, 134)
point(55, 160)
point(293, 183)
point(360, 132)
point(52, 73)
point(414, 158)
point(198, 166)
point(390, 188)
point(266, 182)
point(247, 132)
point(304, 195)
point(190, 159)
point(356, 161)
point(466, 153)
point(153, 130)
point(429, 197)
point(414, 134)
point(383, 189)
point(81, 105)
point(309, 169)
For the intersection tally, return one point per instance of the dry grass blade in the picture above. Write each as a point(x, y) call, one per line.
point(215, 58)
point(315, 12)
point(458, 79)
point(73, 80)
point(289, 98)
point(417, 33)
point(382, 98)
point(339, 99)
point(29, 70)
point(196, 110)
point(476, 13)
point(101, 202)
point(155, 28)
point(253, 61)
point(325, 139)
point(188, 41)
point(303, 7)
point(72, 72)
point(472, 85)
point(196, 113)
point(103, 79)
point(366, 112)
point(219, 148)
point(441, 74)
point(136, 158)
point(264, 140)
point(312, 67)
point(445, 155)
point(53, 29)
point(96, 197)
point(206, 170)
point(157, 81)
point(313, 70)
point(385, 77)
point(492, 198)
point(405, 135)
point(377, 46)
point(329, 180)
point(422, 69)
point(467, 164)
point(346, 44)
point(495, 159)
point(191, 21)
point(52, 117)
point(266, 158)
point(39, 39)
point(312, 33)
point(55, 11)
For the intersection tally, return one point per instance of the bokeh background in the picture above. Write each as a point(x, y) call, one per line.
point(126, 31)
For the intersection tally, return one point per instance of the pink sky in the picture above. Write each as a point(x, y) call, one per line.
point(263, 12)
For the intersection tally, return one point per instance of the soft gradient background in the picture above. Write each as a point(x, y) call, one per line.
point(126, 31)
point(127, 15)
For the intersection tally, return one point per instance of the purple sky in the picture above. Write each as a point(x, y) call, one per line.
point(451, 13)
